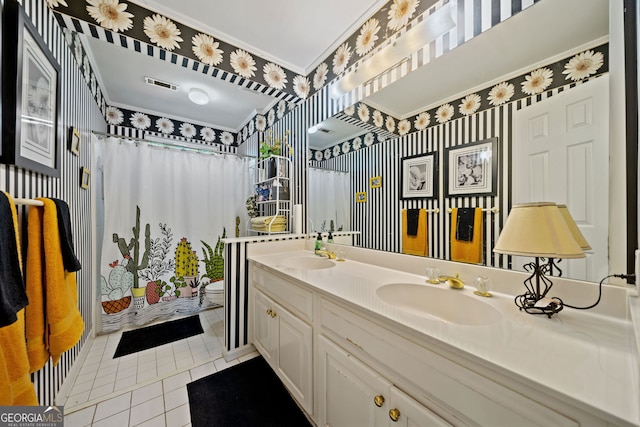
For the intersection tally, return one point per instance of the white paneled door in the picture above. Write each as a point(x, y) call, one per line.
point(561, 154)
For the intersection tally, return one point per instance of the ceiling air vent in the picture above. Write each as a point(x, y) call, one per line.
point(155, 82)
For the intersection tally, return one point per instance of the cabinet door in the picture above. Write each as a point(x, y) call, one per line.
point(295, 363)
point(348, 390)
point(405, 412)
point(264, 327)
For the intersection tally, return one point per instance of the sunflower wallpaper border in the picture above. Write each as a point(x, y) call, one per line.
point(144, 24)
point(580, 67)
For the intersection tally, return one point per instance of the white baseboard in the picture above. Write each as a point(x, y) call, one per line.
point(237, 352)
point(67, 384)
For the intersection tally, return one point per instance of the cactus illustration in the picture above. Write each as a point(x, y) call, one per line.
point(120, 281)
point(135, 264)
point(213, 261)
point(186, 259)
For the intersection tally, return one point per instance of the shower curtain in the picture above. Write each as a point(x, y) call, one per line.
point(165, 211)
point(329, 200)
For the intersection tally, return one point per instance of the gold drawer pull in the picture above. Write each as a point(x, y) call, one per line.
point(378, 400)
point(269, 311)
point(394, 414)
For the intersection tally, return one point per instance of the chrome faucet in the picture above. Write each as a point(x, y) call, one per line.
point(325, 253)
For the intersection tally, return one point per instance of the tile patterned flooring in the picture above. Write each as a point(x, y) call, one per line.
point(149, 388)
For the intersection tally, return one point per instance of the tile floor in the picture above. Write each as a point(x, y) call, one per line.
point(149, 388)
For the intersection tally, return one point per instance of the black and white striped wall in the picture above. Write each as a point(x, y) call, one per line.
point(79, 110)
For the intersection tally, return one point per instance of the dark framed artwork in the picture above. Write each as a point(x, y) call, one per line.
point(472, 169)
point(419, 176)
point(31, 96)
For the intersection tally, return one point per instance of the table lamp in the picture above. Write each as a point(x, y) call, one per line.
point(539, 230)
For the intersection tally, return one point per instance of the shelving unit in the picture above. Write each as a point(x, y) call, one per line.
point(273, 194)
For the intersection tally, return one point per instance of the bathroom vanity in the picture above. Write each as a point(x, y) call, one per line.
point(357, 343)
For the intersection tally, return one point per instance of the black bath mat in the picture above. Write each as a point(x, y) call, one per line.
point(162, 333)
point(246, 395)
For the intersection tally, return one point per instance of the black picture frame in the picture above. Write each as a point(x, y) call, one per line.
point(31, 96)
point(419, 176)
point(472, 169)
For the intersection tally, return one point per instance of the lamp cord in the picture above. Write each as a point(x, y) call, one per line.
point(620, 276)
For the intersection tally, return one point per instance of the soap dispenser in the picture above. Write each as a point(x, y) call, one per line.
point(330, 238)
point(319, 241)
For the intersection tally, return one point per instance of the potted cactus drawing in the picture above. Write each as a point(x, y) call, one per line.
point(159, 264)
point(119, 283)
point(186, 267)
point(136, 262)
point(213, 261)
point(172, 290)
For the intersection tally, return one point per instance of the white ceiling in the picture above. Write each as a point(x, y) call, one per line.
point(298, 34)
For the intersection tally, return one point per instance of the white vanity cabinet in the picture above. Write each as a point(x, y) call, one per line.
point(352, 394)
point(283, 338)
point(347, 363)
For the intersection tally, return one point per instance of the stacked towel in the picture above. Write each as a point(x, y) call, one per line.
point(414, 233)
point(271, 224)
point(61, 326)
point(16, 387)
point(466, 241)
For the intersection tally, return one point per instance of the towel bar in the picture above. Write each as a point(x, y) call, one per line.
point(492, 210)
point(30, 202)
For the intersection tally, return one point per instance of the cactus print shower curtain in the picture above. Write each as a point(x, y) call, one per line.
point(165, 211)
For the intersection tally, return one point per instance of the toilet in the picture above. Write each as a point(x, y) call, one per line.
point(214, 292)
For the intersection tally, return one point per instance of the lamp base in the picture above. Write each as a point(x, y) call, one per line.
point(534, 304)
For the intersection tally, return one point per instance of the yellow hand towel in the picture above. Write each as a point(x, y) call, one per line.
point(15, 366)
point(463, 251)
point(16, 387)
point(415, 245)
point(64, 320)
point(36, 331)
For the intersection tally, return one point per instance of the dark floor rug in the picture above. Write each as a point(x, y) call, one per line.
point(246, 395)
point(162, 333)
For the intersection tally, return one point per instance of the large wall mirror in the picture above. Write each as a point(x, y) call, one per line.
point(547, 35)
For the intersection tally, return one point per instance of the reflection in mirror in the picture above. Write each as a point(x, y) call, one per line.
point(331, 210)
point(502, 57)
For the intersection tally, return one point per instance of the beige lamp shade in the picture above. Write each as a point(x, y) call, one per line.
point(573, 227)
point(539, 230)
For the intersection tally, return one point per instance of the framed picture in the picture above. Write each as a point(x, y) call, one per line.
point(361, 197)
point(419, 176)
point(375, 182)
point(31, 96)
point(85, 178)
point(472, 169)
point(74, 141)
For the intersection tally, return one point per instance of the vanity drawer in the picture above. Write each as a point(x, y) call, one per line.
point(431, 378)
point(294, 298)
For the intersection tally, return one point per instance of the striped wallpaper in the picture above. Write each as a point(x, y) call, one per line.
point(79, 110)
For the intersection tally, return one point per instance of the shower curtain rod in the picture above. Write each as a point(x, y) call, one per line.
point(173, 145)
point(328, 170)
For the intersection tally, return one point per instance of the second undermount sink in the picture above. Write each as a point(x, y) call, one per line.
point(448, 305)
point(308, 263)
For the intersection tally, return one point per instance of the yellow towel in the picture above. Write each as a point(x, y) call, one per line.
point(64, 321)
point(470, 252)
point(36, 332)
point(16, 387)
point(15, 366)
point(415, 245)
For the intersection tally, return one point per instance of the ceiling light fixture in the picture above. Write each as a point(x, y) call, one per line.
point(421, 34)
point(313, 129)
point(198, 96)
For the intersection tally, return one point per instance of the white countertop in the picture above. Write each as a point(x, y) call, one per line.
point(586, 359)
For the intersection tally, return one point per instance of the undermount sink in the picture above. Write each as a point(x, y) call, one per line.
point(308, 263)
point(446, 304)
